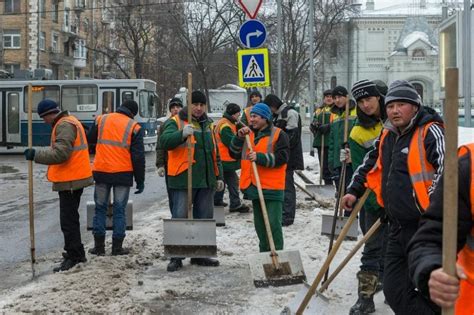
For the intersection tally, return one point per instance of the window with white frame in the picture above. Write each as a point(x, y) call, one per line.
point(81, 50)
point(55, 11)
point(12, 6)
point(11, 39)
point(42, 41)
point(42, 8)
point(55, 42)
point(12, 67)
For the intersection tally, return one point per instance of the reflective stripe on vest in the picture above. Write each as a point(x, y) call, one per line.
point(421, 172)
point(223, 149)
point(113, 143)
point(78, 166)
point(178, 157)
point(464, 304)
point(270, 177)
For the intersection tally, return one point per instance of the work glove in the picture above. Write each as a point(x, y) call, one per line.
point(220, 185)
point(140, 188)
point(314, 127)
point(29, 154)
point(161, 171)
point(345, 155)
point(188, 130)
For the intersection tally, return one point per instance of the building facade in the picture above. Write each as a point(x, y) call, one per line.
point(55, 39)
point(397, 42)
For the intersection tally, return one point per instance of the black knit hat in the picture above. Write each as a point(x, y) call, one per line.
point(232, 109)
point(273, 101)
point(403, 91)
point(132, 106)
point(255, 93)
point(381, 86)
point(175, 101)
point(46, 107)
point(364, 88)
point(327, 93)
point(339, 91)
point(198, 97)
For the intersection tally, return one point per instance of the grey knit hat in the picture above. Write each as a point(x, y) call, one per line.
point(364, 88)
point(403, 91)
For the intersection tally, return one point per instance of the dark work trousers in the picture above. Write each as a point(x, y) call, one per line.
point(170, 200)
point(398, 287)
point(69, 219)
point(374, 249)
point(289, 208)
point(337, 176)
point(231, 181)
point(327, 177)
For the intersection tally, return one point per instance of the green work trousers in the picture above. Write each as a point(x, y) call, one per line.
point(274, 209)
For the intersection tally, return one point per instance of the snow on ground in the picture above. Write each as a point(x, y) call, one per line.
point(139, 283)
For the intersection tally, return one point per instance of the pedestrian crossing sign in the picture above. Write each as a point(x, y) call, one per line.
point(254, 69)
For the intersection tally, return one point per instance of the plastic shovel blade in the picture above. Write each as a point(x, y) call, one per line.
point(317, 305)
point(322, 191)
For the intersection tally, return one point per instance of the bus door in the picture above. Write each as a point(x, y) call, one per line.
point(108, 101)
point(10, 133)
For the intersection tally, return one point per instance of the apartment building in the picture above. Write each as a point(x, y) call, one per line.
point(59, 36)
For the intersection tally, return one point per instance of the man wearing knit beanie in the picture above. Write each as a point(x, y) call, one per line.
point(366, 130)
point(409, 155)
point(271, 159)
point(225, 130)
point(288, 119)
point(175, 105)
point(206, 167)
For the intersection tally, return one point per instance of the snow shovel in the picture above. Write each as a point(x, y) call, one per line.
point(195, 238)
point(324, 191)
point(278, 268)
point(30, 180)
point(450, 196)
point(312, 301)
point(349, 256)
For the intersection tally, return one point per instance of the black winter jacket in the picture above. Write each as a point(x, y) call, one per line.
point(425, 248)
point(397, 191)
point(137, 152)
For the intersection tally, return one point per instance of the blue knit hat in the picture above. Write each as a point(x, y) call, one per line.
point(46, 107)
point(262, 110)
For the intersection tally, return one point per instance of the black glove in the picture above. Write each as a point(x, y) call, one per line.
point(324, 129)
point(383, 216)
point(29, 154)
point(314, 127)
point(140, 188)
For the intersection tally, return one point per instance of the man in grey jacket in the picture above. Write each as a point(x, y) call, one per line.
point(69, 170)
point(288, 119)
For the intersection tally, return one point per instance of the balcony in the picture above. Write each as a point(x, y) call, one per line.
point(79, 6)
point(70, 30)
point(80, 63)
point(55, 56)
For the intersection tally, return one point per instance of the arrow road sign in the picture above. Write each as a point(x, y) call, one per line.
point(252, 34)
point(251, 7)
point(254, 67)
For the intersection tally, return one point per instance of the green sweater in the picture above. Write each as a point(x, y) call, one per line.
point(203, 168)
point(336, 134)
point(226, 135)
point(321, 116)
point(361, 141)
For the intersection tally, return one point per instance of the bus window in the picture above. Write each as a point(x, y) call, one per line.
point(107, 102)
point(147, 103)
point(79, 98)
point(13, 115)
point(40, 93)
point(127, 95)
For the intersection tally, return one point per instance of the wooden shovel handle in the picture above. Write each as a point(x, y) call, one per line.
point(349, 256)
point(333, 252)
point(268, 228)
point(321, 158)
point(30, 178)
point(190, 149)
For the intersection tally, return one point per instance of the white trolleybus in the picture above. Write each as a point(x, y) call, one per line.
point(85, 99)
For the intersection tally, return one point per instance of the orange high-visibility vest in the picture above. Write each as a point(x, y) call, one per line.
point(113, 143)
point(223, 149)
point(420, 170)
point(78, 166)
point(465, 302)
point(178, 157)
point(270, 177)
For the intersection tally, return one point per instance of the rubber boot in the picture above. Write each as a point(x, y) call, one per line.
point(175, 264)
point(368, 281)
point(99, 246)
point(117, 248)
